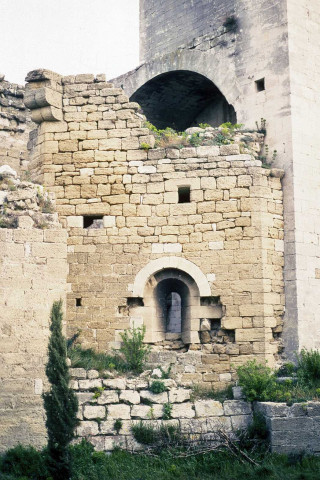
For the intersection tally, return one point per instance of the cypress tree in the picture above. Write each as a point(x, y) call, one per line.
point(60, 402)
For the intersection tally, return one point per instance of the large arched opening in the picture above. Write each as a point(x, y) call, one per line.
point(171, 297)
point(181, 98)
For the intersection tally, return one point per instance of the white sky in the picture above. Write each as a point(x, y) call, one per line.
point(68, 37)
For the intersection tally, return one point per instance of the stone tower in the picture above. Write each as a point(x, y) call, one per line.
point(225, 60)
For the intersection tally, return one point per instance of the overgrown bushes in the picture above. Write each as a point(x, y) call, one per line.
point(131, 356)
point(259, 382)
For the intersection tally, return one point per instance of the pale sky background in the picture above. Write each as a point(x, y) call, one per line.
point(68, 37)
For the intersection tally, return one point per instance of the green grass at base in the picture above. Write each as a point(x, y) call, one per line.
point(121, 465)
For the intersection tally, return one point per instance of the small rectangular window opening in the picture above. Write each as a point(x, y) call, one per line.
point(260, 85)
point(184, 195)
point(93, 221)
point(78, 302)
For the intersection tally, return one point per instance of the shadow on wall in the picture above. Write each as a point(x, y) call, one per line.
point(181, 99)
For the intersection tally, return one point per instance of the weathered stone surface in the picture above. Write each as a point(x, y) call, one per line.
point(147, 411)
point(129, 396)
point(94, 411)
point(119, 411)
point(236, 407)
point(183, 410)
point(154, 397)
point(179, 395)
point(108, 396)
point(208, 408)
point(115, 384)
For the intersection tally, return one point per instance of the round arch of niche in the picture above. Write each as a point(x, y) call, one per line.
point(173, 295)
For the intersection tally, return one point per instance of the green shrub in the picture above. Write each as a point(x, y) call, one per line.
point(204, 125)
point(90, 360)
point(195, 140)
point(117, 425)
point(286, 370)
point(133, 349)
point(60, 402)
point(145, 146)
point(25, 461)
point(309, 368)
point(167, 410)
point(161, 436)
point(257, 381)
point(157, 387)
point(144, 434)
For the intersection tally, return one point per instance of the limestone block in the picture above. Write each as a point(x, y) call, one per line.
point(88, 384)
point(108, 396)
point(241, 422)
point(147, 169)
point(130, 396)
point(119, 411)
point(110, 144)
point(115, 383)
point(92, 374)
point(237, 407)
point(146, 411)
point(183, 410)
point(219, 423)
point(75, 221)
point(25, 222)
point(226, 182)
point(87, 428)
point(78, 373)
point(94, 411)
point(210, 151)
point(194, 426)
point(154, 397)
point(84, 78)
point(206, 408)
point(230, 149)
point(84, 397)
point(179, 395)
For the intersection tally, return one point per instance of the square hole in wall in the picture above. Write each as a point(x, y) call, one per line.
point(260, 85)
point(184, 194)
point(78, 302)
point(93, 221)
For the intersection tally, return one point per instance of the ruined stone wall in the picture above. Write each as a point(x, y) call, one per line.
point(103, 401)
point(229, 237)
point(33, 272)
point(292, 429)
point(15, 126)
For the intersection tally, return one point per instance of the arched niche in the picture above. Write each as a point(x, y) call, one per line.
point(153, 286)
point(180, 99)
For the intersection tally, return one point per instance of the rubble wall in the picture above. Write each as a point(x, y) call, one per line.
point(33, 273)
point(103, 401)
point(15, 126)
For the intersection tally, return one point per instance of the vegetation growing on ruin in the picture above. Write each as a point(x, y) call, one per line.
point(26, 463)
point(259, 382)
point(131, 356)
point(203, 135)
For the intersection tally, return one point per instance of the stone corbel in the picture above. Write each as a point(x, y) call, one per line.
point(43, 96)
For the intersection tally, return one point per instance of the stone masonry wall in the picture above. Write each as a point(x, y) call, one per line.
point(15, 126)
point(33, 273)
point(103, 401)
point(292, 429)
point(89, 154)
